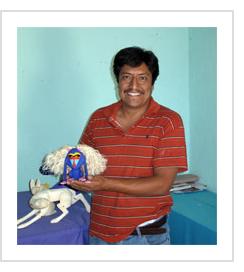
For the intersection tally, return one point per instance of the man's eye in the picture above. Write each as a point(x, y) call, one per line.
point(125, 77)
point(142, 78)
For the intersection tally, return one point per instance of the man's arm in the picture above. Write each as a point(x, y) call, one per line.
point(158, 184)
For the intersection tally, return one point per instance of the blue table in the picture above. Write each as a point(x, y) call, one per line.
point(193, 220)
point(71, 230)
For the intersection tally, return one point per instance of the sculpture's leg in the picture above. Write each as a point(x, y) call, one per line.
point(37, 217)
point(64, 213)
point(83, 200)
point(30, 214)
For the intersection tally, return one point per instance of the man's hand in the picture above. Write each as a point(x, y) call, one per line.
point(94, 183)
point(159, 184)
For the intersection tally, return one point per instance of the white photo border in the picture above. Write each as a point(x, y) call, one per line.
point(223, 20)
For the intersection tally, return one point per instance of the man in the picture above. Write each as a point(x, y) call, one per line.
point(145, 147)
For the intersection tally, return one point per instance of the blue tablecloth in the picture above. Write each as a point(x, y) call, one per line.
point(71, 230)
point(193, 220)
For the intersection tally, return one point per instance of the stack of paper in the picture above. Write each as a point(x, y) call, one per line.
point(187, 183)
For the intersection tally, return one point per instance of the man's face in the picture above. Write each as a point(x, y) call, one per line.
point(135, 86)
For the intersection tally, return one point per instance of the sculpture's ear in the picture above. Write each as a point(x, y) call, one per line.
point(32, 183)
point(34, 186)
point(37, 182)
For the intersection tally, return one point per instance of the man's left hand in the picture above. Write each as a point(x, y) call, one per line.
point(94, 183)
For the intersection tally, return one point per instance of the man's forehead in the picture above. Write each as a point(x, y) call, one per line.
point(141, 69)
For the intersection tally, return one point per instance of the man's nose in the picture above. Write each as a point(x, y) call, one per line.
point(133, 83)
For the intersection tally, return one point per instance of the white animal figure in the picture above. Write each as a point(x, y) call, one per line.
point(42, 202)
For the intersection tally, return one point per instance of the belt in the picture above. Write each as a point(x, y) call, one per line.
point(153, 228)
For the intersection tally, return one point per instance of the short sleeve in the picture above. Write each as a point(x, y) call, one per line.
point(87, 135)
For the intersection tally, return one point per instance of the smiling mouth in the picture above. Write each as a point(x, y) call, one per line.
point(133, 93)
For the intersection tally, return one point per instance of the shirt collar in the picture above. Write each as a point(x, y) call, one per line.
point(153, 108)
point(113, 109)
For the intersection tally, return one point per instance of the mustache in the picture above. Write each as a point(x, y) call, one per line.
point(133, 90)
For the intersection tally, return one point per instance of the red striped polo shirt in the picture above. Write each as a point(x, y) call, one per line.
point(156, 140)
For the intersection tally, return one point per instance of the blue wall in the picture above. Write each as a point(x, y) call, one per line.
point(203, 104)
point(64, 74)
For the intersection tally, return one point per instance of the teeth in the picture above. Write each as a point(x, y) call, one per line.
point(134, 94)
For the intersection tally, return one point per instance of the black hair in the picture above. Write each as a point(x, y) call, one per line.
point(135, 56)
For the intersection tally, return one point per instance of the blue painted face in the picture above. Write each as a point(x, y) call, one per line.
point(76, 161)
point(74, 156)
